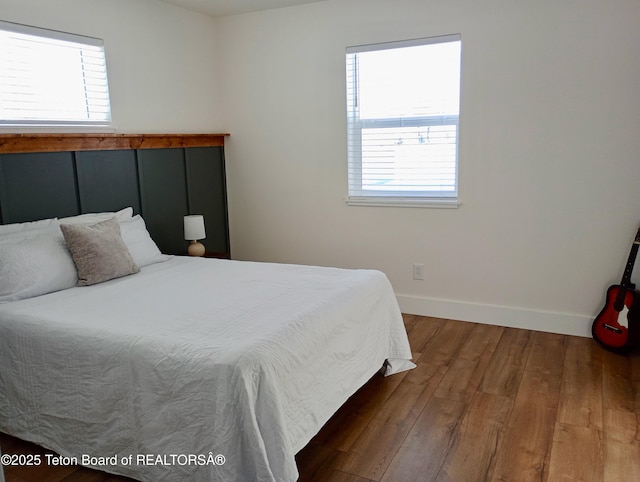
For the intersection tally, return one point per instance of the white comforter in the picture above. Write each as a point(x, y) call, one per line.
point(155, 374)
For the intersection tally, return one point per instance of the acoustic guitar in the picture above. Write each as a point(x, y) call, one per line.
point(617, 327)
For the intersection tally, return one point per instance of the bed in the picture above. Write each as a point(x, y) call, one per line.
point(183, 368)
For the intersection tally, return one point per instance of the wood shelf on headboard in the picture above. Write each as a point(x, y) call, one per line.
point(14, 143)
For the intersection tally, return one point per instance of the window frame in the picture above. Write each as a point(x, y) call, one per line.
point(359, 195)
point(89, 123)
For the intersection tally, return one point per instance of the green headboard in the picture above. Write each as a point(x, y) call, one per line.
point(162, 178)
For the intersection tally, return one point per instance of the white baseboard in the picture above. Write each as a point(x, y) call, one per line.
point(548, 321)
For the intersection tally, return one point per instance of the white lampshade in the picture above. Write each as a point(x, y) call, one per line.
point(194, 227)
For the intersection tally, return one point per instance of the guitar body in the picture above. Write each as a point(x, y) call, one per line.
point(615, 329)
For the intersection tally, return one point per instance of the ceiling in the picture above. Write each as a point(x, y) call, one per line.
point(218, 8)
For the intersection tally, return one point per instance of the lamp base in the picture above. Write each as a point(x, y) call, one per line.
point(196, 249)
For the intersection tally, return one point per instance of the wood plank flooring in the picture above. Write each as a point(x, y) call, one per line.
point(485, 403)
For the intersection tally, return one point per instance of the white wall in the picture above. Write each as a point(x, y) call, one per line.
point(161, 61)
point(549, 153)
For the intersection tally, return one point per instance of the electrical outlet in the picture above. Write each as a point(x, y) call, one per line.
point(418, 271)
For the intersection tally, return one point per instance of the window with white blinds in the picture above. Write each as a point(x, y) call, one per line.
point(51, 78)
point(403, 103)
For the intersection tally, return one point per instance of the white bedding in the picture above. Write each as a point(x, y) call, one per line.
point(195, 357)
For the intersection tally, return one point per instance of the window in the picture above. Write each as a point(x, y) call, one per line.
point(51, 78)
point(403, 103)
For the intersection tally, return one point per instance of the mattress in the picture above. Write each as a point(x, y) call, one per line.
point(195, 369)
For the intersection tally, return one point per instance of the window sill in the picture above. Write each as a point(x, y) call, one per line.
point(404, 202)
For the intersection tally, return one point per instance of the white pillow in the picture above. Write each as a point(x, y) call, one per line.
point(17, 228)
point(34, 267)
point(94, 218)
point(143, 249)
point(16, 233)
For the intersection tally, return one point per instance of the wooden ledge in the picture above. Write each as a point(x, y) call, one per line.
point(14, 143)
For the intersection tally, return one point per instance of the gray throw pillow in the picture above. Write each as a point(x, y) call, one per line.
point(98, 252)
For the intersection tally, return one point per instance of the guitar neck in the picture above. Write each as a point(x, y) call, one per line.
point(625, 282)
point(626, 276)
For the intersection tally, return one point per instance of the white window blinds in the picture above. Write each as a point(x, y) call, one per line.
point(51, 78)
point(402, 119)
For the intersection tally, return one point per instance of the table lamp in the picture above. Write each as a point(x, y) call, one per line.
point(194, 231)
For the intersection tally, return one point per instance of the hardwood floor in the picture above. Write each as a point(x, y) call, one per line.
point(485, 403)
